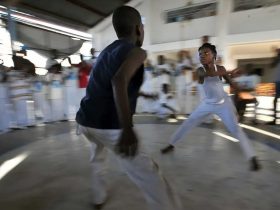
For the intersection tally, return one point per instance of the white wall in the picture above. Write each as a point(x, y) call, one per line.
point(157, 32)
point(178, 31)
point(245, 27)
point(255, 20)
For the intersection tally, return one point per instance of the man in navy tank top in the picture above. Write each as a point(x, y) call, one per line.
point(105, 114)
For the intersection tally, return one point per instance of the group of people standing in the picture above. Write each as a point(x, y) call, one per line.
point(28, 99)
point(170, 84)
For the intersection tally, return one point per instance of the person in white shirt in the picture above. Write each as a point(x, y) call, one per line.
point(70, 75)
point(164, 70)
point(55, 91)
point(166, 103)
point(247, 84)
point(217, 102)
point(184, 82)
point(21, 94)
point(199, 87)
point(146, 105)
point(4, 119)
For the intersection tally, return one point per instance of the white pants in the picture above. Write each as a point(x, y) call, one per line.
point(39, 104)
point(4, 109)
point(226, 112)
point(142, 170)
point(186, 100)
point(181, 96)
point(24, 111)
point(57, 109)
point(47, 113)
point(21, 112)
point(4, 116)
point(71, 103)
point(81, 93)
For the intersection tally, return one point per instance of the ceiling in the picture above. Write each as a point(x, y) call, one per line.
point(78, 14)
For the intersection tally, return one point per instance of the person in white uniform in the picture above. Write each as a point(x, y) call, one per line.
point(217, 102)
point(55, 91)
point(247, 84)
point(70, 89)
point(145, 104)
point(184, 83)
point(4, 119)
point(38, 96)
point(199, 87)
point(166, 104)
point(181, 91)
point(21, 94)
point(164, 70)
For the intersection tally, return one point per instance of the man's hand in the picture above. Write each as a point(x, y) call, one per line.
point(128, 143)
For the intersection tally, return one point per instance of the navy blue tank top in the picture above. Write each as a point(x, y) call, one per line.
point(97, 108)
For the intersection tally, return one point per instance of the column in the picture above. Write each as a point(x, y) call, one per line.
point(224, 9)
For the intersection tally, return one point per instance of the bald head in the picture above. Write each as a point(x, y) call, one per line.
point(125, 19)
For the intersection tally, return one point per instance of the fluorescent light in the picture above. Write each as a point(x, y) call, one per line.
point(22, 13)
point(9, 165)
point(48, 26)
point(225, 136)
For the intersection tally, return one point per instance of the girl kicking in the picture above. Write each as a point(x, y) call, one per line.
point(217, 102)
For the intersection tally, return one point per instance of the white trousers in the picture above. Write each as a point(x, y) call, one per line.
point(81, 93)
point(181, 96)
point(4, 109)
point(21, 112)
point(142, 170)
point(47, 112)
point(71, 101)
point(39, 104)
point(186, 100)
point(4, 116)
point(226, 112)
point(57, 109)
